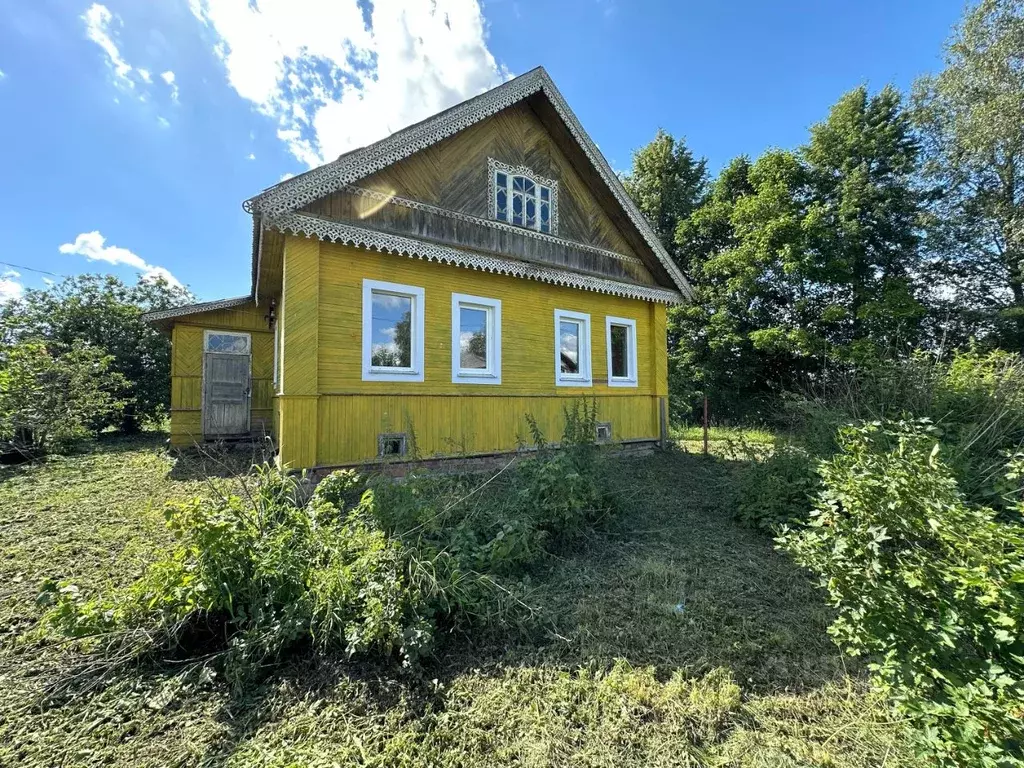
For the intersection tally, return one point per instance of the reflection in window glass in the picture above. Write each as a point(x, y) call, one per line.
point(472, 338)
point(620, 351)
point(391, 331)
point(229, 343)
point(569, 346)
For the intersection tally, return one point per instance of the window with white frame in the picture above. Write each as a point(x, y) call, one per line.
point(392, 332)
point(620, 339)
point(572, 349)
point(476, 340)
point(521, 197)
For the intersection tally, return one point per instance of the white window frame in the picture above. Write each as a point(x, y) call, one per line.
point(551, 185)
point(206, 341)
point(416, 331)
point(584, 378)
point(631, 379)
point(492, 373)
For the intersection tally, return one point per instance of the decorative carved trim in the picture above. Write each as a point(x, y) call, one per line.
point(519, 170)
point(319, 182)
point(192, 309)
point(384, 197)
point(348, 234)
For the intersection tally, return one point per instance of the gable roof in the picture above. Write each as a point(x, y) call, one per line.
point(289, 195)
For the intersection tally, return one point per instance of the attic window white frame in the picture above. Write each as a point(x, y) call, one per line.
point(416, 332)
point(583, 378)
point(495, 167)
point(631, 377)
point(491, 374)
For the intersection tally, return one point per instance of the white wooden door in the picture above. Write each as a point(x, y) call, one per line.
point(226, 384)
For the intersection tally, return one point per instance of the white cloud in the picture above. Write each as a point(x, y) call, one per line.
point(163, 121)
point(99, 23)
point(251, 156)
point(93, 246)
point(97, 28)
point(2, 74)
point(334, 82)
point(10, 288)
point(168, 77)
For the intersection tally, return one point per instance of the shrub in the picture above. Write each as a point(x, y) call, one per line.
point(272, 573)
point(778, 488)
point(51, 396)
point(927, 585)
point(377, 573)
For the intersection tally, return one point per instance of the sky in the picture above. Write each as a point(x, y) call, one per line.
point(132, 130)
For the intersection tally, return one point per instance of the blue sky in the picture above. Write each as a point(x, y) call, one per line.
point(132, 131)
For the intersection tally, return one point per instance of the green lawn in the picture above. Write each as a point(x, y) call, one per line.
point(676, 638)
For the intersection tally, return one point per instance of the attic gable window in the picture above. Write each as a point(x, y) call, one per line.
point(521, 197)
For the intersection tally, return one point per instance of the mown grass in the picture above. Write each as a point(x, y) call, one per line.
point(673, 638)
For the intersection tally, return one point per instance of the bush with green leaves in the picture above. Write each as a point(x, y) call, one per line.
point(927, 585)
point(52, 396)
point(267, 575)
point(375, 566)
point(103, 311)
point(777, 488)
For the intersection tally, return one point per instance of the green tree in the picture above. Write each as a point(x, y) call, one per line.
point(971, 117)
point(52, 396)
point(802, 258)
point(106, 314)
point(667, 183)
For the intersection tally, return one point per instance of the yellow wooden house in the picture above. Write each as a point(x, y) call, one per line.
point(420, 296)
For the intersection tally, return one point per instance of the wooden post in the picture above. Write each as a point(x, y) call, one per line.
point(705, 425)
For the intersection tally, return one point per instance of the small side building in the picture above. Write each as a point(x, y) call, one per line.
point(423, 294)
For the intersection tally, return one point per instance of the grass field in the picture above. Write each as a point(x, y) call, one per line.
point(675, 638)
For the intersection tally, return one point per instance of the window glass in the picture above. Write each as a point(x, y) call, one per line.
point(229, 343)
point(520, 200)
point(472, 338)
point(620, 351)
point(569, 346)
point(391, 330)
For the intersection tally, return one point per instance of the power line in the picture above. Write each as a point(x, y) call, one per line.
point(31, 269)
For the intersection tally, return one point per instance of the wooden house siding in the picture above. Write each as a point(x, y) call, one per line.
point(187, 369)
point(453, 175)
point(330, 416)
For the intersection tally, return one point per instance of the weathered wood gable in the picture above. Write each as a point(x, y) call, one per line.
point(417, 196)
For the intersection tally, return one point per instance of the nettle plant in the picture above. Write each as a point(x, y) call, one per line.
point(928, 587)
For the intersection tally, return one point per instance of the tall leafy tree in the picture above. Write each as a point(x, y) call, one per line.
point(863, 223)
point(971, 117)
point(667, 183)
point(106, 314)
point(804, 257)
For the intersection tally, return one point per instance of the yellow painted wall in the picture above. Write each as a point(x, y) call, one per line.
point(187, 368)
point(330, 416)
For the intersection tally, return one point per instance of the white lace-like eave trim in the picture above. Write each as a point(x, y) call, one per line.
point(339, 232)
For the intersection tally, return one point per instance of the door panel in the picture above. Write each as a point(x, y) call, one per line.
point(225, 394)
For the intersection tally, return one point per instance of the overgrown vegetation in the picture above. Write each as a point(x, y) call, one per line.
point(911, 520)
point(929, 587)
point(383, 574)
point(52, 396)
point(684, 606)
point(106, 315)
